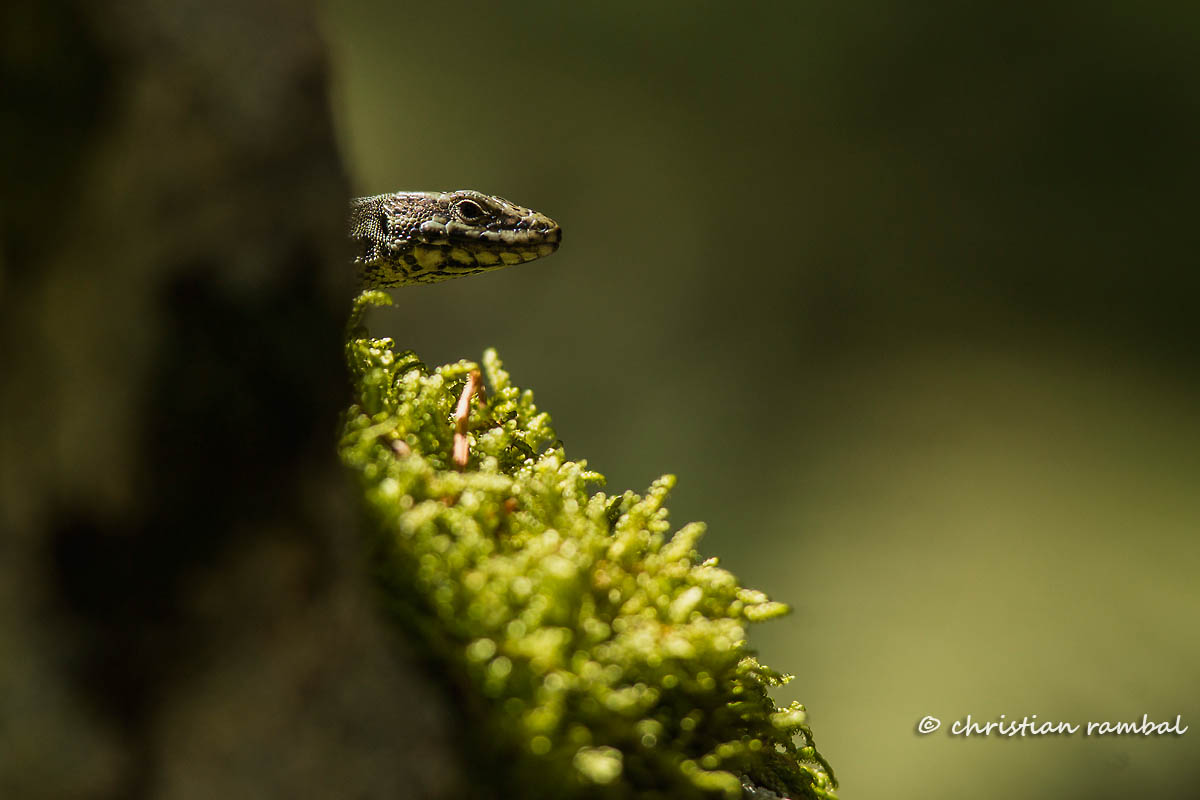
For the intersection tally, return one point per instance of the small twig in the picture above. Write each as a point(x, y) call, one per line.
point(461, 415)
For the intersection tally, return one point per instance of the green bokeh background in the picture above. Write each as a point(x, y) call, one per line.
point(906, 294)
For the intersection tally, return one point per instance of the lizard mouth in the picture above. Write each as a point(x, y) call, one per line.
point(503, 238)
point(477, 253)
point(497, 237)
point(503, 247)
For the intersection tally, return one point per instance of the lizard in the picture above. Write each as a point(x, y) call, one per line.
point(405, 238)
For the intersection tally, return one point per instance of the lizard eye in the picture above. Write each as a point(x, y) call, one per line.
point(469, 210)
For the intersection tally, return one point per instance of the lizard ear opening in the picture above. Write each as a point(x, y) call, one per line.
point(468, 210)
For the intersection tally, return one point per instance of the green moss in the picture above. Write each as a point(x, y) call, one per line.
point(595, 652)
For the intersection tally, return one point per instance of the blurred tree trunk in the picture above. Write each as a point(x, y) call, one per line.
point(183, 611)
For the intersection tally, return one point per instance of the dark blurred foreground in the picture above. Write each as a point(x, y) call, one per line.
point(182, 610)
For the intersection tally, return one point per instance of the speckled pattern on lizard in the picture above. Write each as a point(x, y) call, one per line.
point(407, 238)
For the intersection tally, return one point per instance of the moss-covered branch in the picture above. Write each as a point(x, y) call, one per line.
point(596, 653)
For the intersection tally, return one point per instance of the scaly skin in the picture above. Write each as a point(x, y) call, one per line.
point(407, 238)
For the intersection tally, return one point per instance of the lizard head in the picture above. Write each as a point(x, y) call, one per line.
point(425, 237)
